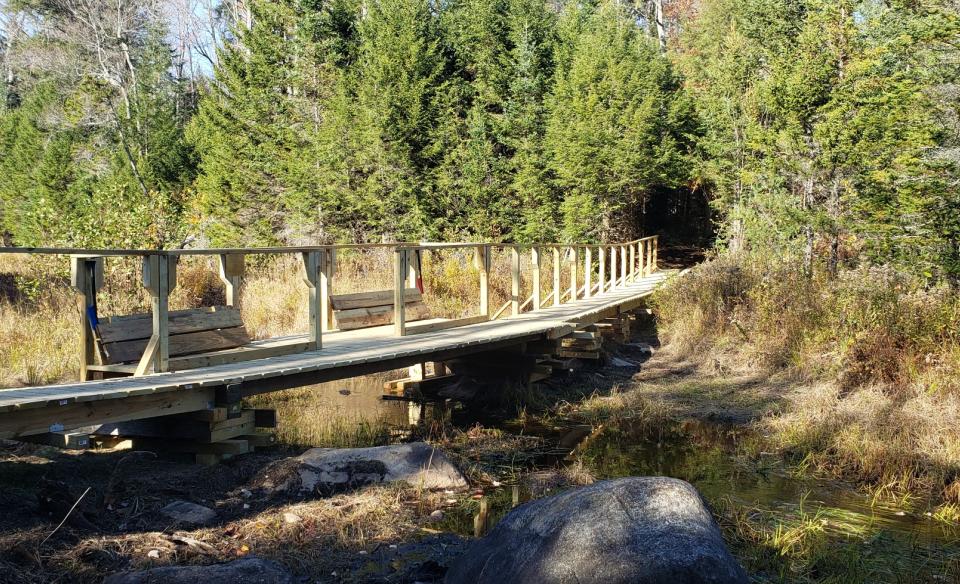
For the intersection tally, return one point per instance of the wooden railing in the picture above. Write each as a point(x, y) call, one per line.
point(613, 265)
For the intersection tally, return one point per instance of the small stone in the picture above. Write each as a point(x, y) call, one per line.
point(189, 513)
point(153, 554)
point(245, 493)
point(436, 515)
point(291, 518)
point(246, 505)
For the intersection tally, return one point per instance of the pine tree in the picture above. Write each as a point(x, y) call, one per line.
point(610, 142)
point(399, 87)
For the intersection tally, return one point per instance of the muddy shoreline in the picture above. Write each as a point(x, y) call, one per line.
point(655, 416)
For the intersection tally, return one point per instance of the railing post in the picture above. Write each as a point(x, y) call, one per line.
point(602, 276)
point(613, 267)
point(656, 244)
point(649, 256)
point(413, 268)
point(160, 278)
point(514, 281)
point(325, 289)
point(623, 265)
point(556, 276)
point(231, 268)
point(399, 289)
point(312, 266)
point(644, 258)
point(633, 262)
point(535, 275)
point(574, 260)
point(482, 256)
point(86, 276)
point(587, 271)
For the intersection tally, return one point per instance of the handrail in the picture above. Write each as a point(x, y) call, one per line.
point(618, 264)
point(301, 248)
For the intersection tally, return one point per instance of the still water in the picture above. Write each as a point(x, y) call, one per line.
point(726, 463)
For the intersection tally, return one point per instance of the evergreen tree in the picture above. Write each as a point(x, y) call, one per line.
point(609, 135)
point(399, 87)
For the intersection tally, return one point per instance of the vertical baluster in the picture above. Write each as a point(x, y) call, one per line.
point(535, 276)
point(587, 271)
point(483, 264)
point(311, 276)
point(613, 267)
point(514, 281)
point(574, 262)
point(556, 276)
point(399, 289)
point(602, 277)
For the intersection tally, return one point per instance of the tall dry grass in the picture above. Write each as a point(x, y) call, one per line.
point(877, 353)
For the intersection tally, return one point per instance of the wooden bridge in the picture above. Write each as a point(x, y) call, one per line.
point(168, 363)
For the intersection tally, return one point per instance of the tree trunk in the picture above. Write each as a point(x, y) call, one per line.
point(661, 27)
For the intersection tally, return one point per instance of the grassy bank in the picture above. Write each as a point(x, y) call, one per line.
point(871, 358)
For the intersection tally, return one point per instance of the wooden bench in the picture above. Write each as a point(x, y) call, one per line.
point(122, 340)
point(369, 309)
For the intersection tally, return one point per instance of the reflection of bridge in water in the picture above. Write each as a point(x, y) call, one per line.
point(201, 363)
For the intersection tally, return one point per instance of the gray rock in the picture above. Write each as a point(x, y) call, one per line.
point(326, 470)
point(189, 513)
point(639, 530)
point(247, 570)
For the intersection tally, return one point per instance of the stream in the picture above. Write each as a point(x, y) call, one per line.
point(730, 469)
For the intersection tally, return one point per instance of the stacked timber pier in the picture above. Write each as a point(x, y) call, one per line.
point(194, 367)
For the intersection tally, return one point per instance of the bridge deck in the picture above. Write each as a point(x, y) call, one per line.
point(35, 409)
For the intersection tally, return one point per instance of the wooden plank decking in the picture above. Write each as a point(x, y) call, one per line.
point(33, 410)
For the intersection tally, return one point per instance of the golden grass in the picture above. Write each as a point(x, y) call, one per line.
point(873, 357)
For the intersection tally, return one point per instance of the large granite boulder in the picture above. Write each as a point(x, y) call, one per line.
point(331, 470)
point(247, 570)
point(641, 530)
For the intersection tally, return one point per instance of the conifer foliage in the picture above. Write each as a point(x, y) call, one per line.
point(825, 130)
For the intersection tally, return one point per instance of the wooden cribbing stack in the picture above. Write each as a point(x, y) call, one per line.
point(211, 435)
point(582, 344)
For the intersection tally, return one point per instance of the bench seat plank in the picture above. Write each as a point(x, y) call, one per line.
point(372, 299)
point(180, 344)
point(378, 315)
point(140, 326)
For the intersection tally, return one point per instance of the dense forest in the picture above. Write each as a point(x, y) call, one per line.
point(825, 131)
